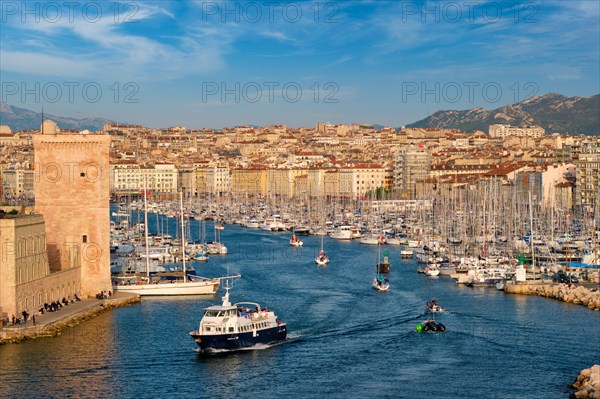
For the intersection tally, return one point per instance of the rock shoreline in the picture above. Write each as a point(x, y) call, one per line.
point(55, 328)
point(587, 384)
point(577, 295)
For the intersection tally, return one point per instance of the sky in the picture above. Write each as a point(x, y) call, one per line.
point(225, 63)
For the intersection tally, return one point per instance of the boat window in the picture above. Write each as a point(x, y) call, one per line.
point(211, 313)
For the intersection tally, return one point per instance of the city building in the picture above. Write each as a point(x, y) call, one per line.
point(413, 164)
point(587, 191)
point(503, 131)
point(127, 177)
point(18, 183)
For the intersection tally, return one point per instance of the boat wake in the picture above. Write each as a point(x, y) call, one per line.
point(257, 347)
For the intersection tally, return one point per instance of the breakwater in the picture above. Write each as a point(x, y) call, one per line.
point(21, 333)
point(577, 295)
point(587, 384)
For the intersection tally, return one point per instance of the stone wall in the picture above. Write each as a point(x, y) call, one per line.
point(587, 384)
point(577, 295)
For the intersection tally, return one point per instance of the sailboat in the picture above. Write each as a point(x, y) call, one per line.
point(294, 241)
point(322, 259)
point(380, 282)
point(189, 285)
point(201, 255)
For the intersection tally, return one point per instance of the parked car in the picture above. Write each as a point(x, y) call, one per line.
point(562, 277)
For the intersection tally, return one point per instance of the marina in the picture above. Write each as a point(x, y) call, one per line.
point(339, 329)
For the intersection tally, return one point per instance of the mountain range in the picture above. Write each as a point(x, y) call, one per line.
point(24, 119)
point(554, 112)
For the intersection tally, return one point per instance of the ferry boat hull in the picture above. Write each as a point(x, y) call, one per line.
point(237, 341)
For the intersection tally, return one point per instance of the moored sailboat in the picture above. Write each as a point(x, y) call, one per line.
point(152, 286)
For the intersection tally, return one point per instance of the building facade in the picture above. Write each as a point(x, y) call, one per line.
point(413, 164)
point(587, 191)
point(503, 131)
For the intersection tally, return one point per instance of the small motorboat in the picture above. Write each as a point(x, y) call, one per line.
point(432, 270)
point(434, 307)
point(295, 242)
point(430, 325)
point(201, 257)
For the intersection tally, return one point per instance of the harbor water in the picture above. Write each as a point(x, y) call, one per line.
point(345, 340)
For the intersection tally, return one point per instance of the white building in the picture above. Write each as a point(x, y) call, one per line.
point(128, 177)
point(18, 182)
point(358, 180)
point(503, 131)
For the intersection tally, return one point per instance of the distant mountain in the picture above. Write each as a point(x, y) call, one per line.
point(24, 119)
point(554, 112)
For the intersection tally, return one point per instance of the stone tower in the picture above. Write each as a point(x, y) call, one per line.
point(72, 193)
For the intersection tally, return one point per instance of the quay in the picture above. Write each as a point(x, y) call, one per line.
point(51, 324)
point(576, 294)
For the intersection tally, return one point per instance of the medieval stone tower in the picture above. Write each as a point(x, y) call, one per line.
point(72, 193)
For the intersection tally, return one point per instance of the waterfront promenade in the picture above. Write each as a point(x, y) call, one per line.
point(51, 323)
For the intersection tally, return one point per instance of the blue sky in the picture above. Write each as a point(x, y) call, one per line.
point(215, 63)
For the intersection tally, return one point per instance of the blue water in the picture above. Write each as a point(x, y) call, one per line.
point(345, 339)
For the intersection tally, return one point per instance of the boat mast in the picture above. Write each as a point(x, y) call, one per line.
point(531, 237)
point(146, 230)
point(182, 236)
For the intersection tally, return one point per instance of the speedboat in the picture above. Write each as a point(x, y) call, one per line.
point(431, 325)
point(241, 325)
point(434, 307)
point(295, 242)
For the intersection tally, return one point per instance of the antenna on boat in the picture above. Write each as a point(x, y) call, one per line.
point(146, 230)
point(226, 296)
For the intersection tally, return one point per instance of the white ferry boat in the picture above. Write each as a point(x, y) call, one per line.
point(237, 326)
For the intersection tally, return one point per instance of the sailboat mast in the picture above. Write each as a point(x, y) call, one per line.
point(146, 230)
point(531, 237)
point(182, 236)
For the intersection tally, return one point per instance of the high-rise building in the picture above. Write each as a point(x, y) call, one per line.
point(413, 164)
point(587, 189)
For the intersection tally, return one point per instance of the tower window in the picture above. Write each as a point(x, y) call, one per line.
point(84, 238)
